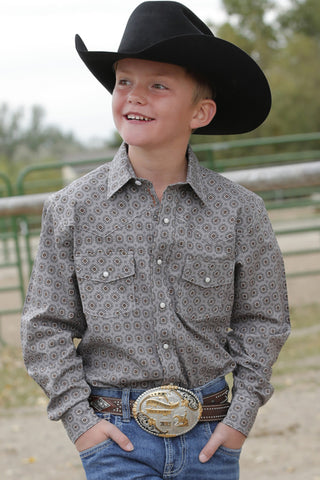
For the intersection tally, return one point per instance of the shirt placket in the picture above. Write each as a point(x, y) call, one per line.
point(164, 311)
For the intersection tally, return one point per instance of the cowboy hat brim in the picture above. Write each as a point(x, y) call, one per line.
point(243, 95)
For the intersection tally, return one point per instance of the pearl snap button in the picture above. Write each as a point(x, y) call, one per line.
point(165, 346)
point(137, 182)
point(159, 261)
point(105, 274)
point(166, 220)
point(162, 305)
point(207, 280)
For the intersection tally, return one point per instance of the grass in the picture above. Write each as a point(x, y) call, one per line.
point(305, 316)
point(299, 357)
point(16, 387)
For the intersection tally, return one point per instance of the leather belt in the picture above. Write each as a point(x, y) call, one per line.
point(214, 407)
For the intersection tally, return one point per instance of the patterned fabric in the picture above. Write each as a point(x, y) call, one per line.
point(182, 291)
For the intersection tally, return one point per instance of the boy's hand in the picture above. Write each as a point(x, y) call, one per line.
point(101, 432)
point(223, 435)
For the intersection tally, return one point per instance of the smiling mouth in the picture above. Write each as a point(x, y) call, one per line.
point(141, 118)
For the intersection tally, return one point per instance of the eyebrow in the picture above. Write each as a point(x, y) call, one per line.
point(125, 70)
point(157, 74)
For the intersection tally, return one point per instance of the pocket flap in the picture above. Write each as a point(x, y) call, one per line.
point(208, 273)
point(105, 267)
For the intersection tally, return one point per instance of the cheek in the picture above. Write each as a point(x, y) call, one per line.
point(116, 112)
point(116, 104)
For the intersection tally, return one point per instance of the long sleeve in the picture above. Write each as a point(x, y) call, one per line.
point(260, 320)
point(52, 318)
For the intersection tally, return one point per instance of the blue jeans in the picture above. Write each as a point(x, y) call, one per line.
point(155, 458)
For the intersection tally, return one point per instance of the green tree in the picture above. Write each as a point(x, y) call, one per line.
point(286, 45)
point(249, 29)
point(295, 74)
point(10, 130)
point(295, 79)
point(31, 135)
point(303, 17)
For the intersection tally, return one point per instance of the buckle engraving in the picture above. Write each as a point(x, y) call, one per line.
point(100, 404)
point(167, 411)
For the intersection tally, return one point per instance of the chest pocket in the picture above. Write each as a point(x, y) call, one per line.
point(106, 282)
point(205, 289)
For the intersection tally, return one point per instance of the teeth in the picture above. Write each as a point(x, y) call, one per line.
point(138, 117)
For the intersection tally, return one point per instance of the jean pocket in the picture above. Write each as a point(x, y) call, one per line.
point(96, 449)
point(208, 428)
point(231, 452)
point(234, 452)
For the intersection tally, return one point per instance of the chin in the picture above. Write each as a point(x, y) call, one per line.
point(135, 141)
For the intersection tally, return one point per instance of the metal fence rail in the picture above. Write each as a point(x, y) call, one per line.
point(289, 149)
point(256, 179)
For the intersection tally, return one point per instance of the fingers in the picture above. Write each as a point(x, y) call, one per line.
point(118, 437)
point(101, 432)
point(223, 435)
point(210, 448)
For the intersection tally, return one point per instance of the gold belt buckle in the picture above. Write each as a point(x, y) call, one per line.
point(167, 411)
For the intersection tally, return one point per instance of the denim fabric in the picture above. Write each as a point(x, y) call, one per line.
point(155, 457)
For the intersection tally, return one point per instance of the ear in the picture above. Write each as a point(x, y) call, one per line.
point(204, 112)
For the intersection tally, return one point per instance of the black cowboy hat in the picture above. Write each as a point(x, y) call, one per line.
point(169, 32)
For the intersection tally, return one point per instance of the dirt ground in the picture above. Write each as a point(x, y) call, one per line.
point(283, 445)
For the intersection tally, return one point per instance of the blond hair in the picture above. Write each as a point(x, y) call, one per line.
point(203, 89)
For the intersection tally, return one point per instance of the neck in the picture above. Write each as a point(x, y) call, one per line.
point(163, 167)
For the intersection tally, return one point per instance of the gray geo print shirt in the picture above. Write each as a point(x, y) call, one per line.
point(182, 291)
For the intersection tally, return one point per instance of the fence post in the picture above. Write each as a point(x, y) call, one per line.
point(9, 233)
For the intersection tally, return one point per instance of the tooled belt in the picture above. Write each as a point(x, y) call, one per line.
point(168, 410)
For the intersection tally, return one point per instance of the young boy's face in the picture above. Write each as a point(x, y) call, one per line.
point(152, 103)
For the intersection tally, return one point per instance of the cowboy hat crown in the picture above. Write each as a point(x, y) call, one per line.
point(169, 32)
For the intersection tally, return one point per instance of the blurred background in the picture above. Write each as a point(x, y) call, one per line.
point(56, 124)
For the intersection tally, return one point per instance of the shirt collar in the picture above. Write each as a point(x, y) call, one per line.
point(121, 171)
point(195, 176)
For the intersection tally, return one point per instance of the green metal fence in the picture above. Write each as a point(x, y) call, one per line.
point(283, 149)
point(11, 268)
point(48, 177)
point(250, 153)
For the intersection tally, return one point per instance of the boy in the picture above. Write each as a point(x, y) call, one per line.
point(168, 273)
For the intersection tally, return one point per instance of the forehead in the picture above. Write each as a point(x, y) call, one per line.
point(137, 65)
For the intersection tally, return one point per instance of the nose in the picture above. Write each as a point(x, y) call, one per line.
point(136, 96)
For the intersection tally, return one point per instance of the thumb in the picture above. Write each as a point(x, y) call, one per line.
point(210, 448)
point(119, 438)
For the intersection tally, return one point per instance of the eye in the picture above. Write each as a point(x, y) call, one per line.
point(159, 86)
point(123, 82)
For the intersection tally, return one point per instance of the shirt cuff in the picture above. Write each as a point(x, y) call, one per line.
point(78, 420)
point(242, 413)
